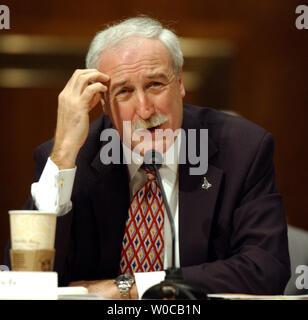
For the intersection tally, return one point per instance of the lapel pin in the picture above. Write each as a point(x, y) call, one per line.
point(206, 185)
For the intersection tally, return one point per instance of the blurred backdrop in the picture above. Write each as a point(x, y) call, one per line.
point(243, 56)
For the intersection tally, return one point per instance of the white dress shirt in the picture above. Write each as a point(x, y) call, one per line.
point(53, 191)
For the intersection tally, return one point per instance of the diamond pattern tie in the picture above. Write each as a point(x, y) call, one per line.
point(143, 242)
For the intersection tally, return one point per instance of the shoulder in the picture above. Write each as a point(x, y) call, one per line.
point(229, 131)
point(221, 122)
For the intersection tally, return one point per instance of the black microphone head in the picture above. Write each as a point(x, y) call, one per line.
point(154, 158)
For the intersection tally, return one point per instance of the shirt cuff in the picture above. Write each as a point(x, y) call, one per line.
point(54, 189)
point(145, 280)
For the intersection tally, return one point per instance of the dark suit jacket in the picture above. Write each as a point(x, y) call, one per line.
point(233, 236)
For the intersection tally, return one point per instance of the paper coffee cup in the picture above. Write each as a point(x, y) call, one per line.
point(32, 229)
point(32, 260)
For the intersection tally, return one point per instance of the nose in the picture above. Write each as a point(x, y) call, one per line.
point(144, 106)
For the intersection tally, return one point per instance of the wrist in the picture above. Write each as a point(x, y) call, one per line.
point(64, 157)
point(125, 284)
point(134, 292)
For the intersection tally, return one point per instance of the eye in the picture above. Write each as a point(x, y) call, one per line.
point(122, 91)
point(156, 84)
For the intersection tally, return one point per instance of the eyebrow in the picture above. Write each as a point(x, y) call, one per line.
point(152, 76)
point(157, 75)
point(117, 85)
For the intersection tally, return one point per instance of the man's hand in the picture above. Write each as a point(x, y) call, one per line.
point(105, 288)
point(78, 98)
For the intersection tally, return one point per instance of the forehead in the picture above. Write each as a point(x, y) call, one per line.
point(134, 54)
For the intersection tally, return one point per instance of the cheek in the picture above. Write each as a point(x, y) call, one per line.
point(169, 104)
point(126, 112)
point(164, 103)
point(122, 112)
point(172, 106)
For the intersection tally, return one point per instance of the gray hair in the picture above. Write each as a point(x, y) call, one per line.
point(140, 26)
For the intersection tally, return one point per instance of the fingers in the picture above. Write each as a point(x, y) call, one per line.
point(84, 86)
point(82, 78)
point(94, 87)
point(85, 79)
point(92, 94)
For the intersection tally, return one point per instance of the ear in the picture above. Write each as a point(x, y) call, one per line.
point(181, 84)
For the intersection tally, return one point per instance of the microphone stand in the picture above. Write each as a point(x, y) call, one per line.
point(173, 287)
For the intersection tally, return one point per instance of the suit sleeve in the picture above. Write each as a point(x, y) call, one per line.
point(258, 257)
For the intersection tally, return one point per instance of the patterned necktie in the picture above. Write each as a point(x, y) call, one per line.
point(143, 242)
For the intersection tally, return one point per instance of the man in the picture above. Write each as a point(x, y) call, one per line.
point(230, 227)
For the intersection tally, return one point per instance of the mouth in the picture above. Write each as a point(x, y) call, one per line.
point(152, 129)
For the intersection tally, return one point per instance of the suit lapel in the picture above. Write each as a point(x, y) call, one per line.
point(196, 205)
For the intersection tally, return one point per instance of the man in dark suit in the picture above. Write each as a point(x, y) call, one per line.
point(231, 235)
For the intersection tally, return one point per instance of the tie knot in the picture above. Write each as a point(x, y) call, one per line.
point(150, 174)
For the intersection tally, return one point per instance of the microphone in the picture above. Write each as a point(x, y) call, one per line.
point(173, 287)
